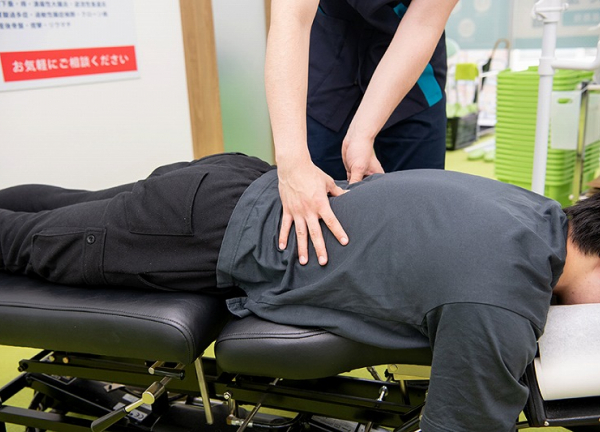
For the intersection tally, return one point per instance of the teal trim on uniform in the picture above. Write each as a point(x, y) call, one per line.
point(400, 10)
point(429, 86)
point(426, 82)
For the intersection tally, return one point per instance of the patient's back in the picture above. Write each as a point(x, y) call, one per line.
point(418, 239)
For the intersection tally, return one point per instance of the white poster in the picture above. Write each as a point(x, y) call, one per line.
point(52, 43)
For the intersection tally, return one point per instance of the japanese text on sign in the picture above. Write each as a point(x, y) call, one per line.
point(60, 63)
point(19, 15)
point(65, 41)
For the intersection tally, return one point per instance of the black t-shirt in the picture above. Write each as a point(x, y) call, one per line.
point(419, 239)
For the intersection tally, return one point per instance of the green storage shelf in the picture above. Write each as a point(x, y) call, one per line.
point(516, 116)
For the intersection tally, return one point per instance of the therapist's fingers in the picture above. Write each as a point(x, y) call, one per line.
point(302, 235)
point(356, 175)
point(331, 220)
point(359, 171)
point(359, 158)
point(316, 237)
point(304, 198)
point(302, 239)
point(325, 213)
point(309, 229)
point(284, 231)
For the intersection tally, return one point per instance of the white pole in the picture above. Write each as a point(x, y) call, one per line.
point(549, 11)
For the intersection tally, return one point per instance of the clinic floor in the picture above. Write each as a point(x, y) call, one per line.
point(9, 356)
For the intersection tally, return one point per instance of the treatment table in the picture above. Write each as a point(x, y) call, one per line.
point(120, 359)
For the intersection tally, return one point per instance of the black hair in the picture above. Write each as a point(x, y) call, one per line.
point(584, 221)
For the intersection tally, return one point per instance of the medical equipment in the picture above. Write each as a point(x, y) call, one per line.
point(123, 359)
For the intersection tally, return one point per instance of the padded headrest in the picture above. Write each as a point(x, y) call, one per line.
point(569, 353)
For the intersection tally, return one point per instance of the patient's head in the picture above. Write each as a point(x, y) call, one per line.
point(584, 225)
point(580, 281)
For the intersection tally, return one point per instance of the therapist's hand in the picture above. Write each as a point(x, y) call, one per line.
point(304, 190)
point(359, 158)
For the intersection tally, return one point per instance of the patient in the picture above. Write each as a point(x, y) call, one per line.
point(464, 264)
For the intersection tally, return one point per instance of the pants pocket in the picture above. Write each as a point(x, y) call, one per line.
point(69, 256)
point(162, 205)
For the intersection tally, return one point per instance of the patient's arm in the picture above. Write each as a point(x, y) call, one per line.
point(479, 355)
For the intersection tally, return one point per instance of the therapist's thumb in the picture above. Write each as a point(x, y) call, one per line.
point(356, 175)
point(336, 191)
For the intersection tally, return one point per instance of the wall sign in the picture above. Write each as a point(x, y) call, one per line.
point(53, 43)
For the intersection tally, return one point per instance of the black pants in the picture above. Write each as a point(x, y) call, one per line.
point(162, 232)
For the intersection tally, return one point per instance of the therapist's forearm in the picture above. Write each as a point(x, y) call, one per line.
point(286, 79)
point(405, 59)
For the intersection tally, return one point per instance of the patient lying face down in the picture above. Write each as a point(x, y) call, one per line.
point(467, 264)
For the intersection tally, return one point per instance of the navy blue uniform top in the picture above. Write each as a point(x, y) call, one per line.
point(419, 239)
point(348, 39)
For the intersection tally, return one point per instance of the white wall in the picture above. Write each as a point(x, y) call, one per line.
point(93, 136)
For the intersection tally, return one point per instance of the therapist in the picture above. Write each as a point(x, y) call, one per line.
point(371, 75)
